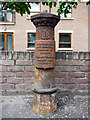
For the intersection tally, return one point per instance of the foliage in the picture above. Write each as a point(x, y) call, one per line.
point(88, 3)
point(19, 7)
point(24, 7)
point(63, 7)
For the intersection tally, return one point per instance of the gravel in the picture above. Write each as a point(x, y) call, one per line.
point(68, 106)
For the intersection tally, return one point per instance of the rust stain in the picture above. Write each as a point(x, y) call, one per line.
point(45, 105)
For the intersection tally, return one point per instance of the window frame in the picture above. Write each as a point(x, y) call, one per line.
point(30, 48)
point(5, 17)
point(29, 16)
point(65, 42)
point(36, 11)
point(57, 41)
point(5, 40)
point(67, 17)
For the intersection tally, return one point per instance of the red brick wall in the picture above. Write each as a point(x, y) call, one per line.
point(17, 71)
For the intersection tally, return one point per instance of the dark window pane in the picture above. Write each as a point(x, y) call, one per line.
point(32, 37)
point(9, 42)
point(31, 45)
point(2, 42)
point(64, 38)
point(2, 15)
point(64, 45)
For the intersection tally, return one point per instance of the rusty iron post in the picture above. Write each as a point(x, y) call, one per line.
point(44, 87)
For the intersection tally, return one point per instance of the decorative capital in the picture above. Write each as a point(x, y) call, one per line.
point(45, 19)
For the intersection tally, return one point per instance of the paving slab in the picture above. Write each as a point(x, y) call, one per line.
point(68, 106)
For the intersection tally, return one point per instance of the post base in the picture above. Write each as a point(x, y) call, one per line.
point(44, 103)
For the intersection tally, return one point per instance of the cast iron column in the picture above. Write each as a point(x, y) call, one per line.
point(44, 88)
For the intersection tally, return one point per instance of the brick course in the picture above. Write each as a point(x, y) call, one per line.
point(72, 71)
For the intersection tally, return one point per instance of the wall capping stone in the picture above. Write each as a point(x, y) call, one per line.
point(30, 55)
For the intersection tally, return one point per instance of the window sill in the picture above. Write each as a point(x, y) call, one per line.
point(7, 23)
point(66, 49)
point(31, 49)
point(67, 18)
point(28, 18)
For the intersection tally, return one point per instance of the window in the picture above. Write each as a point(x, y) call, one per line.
point(35, 9)
point(6, 42)
point(64, 40)
point(5, 16)
point(31, 40)
point(69, 15)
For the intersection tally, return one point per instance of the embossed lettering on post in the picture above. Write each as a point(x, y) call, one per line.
point(45, 54)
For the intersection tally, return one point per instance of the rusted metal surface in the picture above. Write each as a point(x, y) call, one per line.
point(44, 87)
point(45, 54)
point(46, 104)
point(44, 78)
